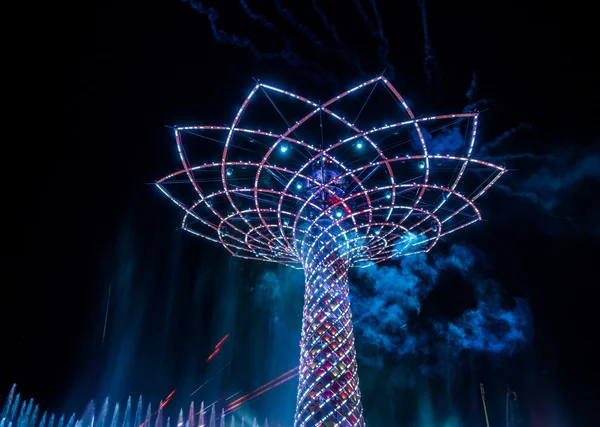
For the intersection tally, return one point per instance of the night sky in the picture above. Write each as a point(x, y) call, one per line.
point(100, 83)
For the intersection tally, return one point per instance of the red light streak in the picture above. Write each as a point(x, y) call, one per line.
point(220, 343)
point(213, 354)
point(283, 378)
point(217, 348)
point(162, 405)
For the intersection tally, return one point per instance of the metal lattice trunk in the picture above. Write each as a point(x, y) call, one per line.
point(319, 192)
point(328, 388)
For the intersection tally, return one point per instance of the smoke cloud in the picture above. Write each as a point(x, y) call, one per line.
point(489, 327)
point(288, 54)
point(474, 104)
point(488, 146)
point(332, 30)
point(555, 183)
point(389, 318)
point(472, 88)
point(384, 45)
point(398, 312)
point(559, 175)
point(448, 140)
point(429, 60)
point(383, 305)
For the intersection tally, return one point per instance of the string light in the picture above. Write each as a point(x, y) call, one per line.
point(342, 214)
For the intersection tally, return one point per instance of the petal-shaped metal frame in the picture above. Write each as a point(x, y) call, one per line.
point(325, 240)
point(272, 240)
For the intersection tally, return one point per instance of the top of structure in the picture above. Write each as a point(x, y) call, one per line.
point(360, 171)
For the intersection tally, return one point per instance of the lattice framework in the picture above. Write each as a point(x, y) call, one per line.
point(328, 213)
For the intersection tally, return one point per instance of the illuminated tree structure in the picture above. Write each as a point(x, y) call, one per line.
point(322, 193)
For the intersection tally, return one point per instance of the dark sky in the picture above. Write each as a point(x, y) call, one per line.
point(98, 84)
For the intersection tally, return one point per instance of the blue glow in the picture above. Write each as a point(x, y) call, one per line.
point(449, 140)
point(99, 414)
point(382, 314)
point(387, 318)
